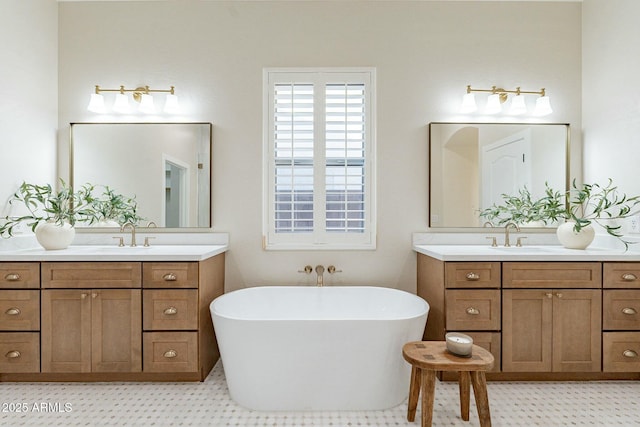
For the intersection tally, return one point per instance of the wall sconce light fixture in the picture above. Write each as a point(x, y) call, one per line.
point(499, 96)
point(140, 94)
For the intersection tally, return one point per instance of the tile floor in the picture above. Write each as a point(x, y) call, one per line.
point(208, 404)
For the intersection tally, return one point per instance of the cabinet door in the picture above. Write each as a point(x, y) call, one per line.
point(526, 330)
point(577, 330)
point(116, 340)
point(66, 331)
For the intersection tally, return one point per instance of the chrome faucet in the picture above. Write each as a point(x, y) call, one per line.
point(133, 232)
point(320, 272)
point(506, 232)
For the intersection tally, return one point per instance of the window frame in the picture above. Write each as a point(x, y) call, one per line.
point(319, 239)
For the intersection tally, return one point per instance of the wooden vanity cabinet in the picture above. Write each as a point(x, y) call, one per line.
point(621, 317)
point(87, 326)
point(19, 317)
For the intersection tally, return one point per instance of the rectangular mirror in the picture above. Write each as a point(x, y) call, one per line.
point(166, 166)
point(472, 164)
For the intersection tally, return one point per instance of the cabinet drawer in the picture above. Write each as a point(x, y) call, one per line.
point(472, 275)
point(473, 310)
point(170, 309)
point(551, 275)
point(19, 275)
point(20, 352)
point(170, 275)
point(170, 352)
point(621, 275)
point(621, 310)
point(19, 310)
point(621, 351)
point(91, 275)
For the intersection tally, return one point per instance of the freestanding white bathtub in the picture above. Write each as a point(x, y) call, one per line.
point(317, 348)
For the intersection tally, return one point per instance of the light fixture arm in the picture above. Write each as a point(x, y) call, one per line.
point(137, 92)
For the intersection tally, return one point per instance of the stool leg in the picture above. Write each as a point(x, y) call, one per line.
point(465, 394)
point(414, 392)
point(479, 382)
point(428, 391)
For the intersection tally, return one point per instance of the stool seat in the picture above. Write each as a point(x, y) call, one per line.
point(429, 357)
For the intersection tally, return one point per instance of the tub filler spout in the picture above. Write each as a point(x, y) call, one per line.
point(320, 273)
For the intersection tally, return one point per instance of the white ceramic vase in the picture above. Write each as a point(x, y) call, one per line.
point(572, 240)
point(53, 236)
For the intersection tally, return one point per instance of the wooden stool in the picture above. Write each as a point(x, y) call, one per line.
point(427, 358)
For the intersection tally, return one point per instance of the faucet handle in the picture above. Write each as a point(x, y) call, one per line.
point(332, 269)
point(307, 269)
point(494, 242)
point(519, 241)
point(146, 241)
point(120, 242)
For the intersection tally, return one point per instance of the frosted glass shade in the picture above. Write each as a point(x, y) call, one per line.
point(96, 103)
point(543, 106)
point(121, 104)
point(518, 105)
point(493, 104)
point(171, 104)
point(146, 104)
point(468, 103)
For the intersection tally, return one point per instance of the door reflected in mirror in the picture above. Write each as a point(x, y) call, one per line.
point(472, 164)
point(166, 166)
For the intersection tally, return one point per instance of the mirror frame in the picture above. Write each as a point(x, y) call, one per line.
point(71, 174)
point(567, 153)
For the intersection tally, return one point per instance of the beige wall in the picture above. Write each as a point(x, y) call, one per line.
point(28, 94)
point(425, 54)
point(611, 94)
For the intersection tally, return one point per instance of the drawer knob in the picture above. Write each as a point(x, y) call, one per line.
point(14, 354)
point(629, 353)
point(12, 277)
point(13, 311)
point(629, 310)
point(473, 311)
point(473, 276)
point(170, 354)
point(629, 277)
point(170, 311)
point(549, 295)
point(170, 277)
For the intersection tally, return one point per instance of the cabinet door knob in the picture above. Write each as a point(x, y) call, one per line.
point(14, 354)
point(549, 295)
point(170, 277)
point(473, 276)
point(170, 311)
point(170, 354)
point(559, 294)
point(629, 277)
point(629, 353)
point(94, 294)
point(629, 310)
point(13, 311)
point(12, 277)
point(473, 311)
point(84, 295)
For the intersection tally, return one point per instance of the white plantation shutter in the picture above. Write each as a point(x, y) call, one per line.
point(319, 150)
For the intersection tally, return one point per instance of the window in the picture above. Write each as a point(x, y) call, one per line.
point(319, 159)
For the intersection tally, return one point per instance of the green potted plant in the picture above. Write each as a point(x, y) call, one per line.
point(112, 209)
point(594, 203)
point(523, 209)
point(50, 213)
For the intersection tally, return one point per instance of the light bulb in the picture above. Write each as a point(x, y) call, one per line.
point(146, 104)
point(493, 104)
point(517, 105)
point(96, 103)
point(121, 104)
point(468, 103)
point(171, 104)
point(543, 106)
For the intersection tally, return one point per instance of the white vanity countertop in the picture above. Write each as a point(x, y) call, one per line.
point(115, 253)
point(525, 253)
